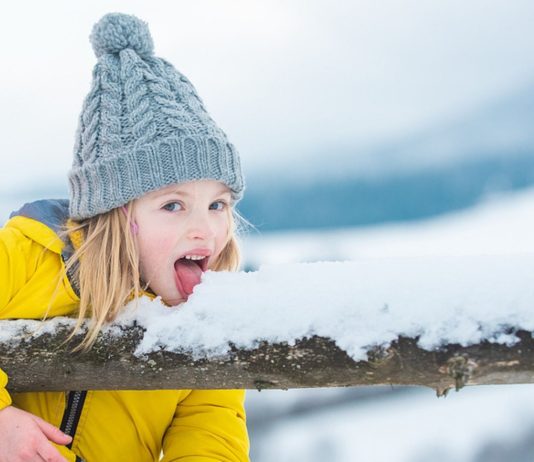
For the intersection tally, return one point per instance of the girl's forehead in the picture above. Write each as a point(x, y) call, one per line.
point(192, 187)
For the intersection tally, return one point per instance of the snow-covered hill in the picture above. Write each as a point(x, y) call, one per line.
point(502, 224)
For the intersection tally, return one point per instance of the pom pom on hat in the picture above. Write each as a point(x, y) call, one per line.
point(117, 31)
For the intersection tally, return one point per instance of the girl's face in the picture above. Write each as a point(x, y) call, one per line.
point(188, 218)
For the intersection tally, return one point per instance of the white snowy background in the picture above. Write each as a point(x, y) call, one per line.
point(294, 84)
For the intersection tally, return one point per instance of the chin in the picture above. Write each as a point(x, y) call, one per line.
point(173, 301)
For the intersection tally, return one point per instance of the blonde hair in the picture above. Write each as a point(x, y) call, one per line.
point(106, 266)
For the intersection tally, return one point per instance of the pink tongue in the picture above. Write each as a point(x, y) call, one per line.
point(189, 274)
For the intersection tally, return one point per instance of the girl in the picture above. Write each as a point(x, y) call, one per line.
point(153, 186)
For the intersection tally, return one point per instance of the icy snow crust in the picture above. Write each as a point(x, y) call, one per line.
point(359, 304)
point(12, 332)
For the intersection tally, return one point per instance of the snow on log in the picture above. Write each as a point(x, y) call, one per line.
point(441, 322)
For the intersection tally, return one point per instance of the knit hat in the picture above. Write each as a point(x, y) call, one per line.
point(142, 126)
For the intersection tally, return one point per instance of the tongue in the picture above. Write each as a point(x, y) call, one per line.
point(188, 274)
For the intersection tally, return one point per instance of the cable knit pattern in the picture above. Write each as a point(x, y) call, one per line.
point(142, 126)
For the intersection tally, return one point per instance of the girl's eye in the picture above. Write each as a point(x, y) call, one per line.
point(172, 206)
point(222, 205)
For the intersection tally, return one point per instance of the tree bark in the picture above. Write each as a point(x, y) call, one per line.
point(45, 363)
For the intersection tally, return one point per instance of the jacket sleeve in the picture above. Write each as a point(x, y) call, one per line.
point(12, 277)
point(14, 247)
point(19, 258)
point(208, 426)
point(5, 399)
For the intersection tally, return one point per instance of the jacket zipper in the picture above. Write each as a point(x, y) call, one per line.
point(75, 399)
point(73, 411)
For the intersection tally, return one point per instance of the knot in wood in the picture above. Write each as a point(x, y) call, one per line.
point(461, 369)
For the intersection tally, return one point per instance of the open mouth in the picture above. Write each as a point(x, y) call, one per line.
point(202, 264)
point(188, 273)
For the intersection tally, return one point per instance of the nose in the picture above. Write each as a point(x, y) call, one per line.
point(199, 226)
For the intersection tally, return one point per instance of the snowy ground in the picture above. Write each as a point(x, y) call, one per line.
point(415, 428)
point(478, 424)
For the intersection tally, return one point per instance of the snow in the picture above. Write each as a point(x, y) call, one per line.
point(413, 428)
point(363, 303)
point(13, 331)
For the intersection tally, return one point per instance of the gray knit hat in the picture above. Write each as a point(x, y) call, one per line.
point(142, 126)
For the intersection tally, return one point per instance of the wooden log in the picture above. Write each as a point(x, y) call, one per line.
point(45, 363)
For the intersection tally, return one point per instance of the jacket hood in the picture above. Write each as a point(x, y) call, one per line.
point(43, 221)
point(51, 212)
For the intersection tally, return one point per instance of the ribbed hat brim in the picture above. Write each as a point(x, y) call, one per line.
point(99, 187)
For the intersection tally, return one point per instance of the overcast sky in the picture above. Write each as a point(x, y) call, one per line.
point(283, 78)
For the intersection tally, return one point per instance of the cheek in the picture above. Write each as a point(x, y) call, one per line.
point(153, 235)
point(154, 250)
point(222, 234)
point(157, 248)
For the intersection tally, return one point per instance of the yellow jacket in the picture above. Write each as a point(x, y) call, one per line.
point(114, 426)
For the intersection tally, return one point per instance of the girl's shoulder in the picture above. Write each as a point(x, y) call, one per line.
point(41, 221)
point(31, 256)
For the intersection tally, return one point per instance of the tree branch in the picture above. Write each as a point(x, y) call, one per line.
point(42, 363)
